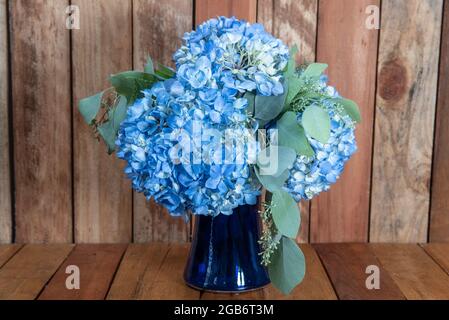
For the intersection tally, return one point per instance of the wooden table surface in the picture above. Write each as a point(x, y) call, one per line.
point(154, 271)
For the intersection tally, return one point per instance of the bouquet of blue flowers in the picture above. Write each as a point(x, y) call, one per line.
point(236, 117)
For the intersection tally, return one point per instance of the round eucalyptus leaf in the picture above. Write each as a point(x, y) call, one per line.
point(317, 123)
point(90, 106)
point(292, 135)
point(314, 70)
point(287, 267)
point(286, 214)
point(271, 183)
point(351, 108)
point(269, 107)
point(274, 160)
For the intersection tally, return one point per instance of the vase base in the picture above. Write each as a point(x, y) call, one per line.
point(226, 291)
point(225, 253)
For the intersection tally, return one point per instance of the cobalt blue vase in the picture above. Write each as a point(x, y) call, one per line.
point(224, 256)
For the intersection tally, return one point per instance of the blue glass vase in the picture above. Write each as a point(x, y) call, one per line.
point(224, 256)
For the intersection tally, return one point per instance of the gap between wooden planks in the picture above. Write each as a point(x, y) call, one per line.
point(29, 269)
point(414, 271)
point(154, 271)
point(346, 265)
point(97, 264)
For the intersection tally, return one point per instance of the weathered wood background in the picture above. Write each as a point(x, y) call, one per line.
point(58, 185)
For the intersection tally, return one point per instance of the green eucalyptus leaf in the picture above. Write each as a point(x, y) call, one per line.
point(272, 183)
point(292, 135)
point(351, 108)
point(90, 106)
point(269, 107)
point(288, 267)
point(251, 102)
point(108, 130)
point(317, 123)
point(296, 81)
point(286, 214)
point(131, 83)
point(164, 71)
point(294, 51)
point(314, 70)
point(291, 65)
point(294, 86)
point(149, 67)
point(274, 160)
point(291, 78)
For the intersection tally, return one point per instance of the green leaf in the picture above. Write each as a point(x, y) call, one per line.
point(317, 123)
point(292, 135)
point(291, 65)
point(314, 70)
point(272, 183)
point(350, 108)
point(286, 213)
point(274, 160)
point(108, 130)
point(294, 86)
point(90, 106)
point(149, 67)
point(288, 266)
point(294, 51)
point(269, 107)
point(131, 83)
point(251, 102)
point(164, 71)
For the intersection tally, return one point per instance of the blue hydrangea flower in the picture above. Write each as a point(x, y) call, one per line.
point(310, 176)
point(172, 141)
point(189, 142)
point(240, 55)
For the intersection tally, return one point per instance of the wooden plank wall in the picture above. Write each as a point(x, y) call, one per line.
point(5, 167)
point(439, 214)
point(102, 194)
point(406, 98)
point(350, 49)
point(41, 100)
point(66, 189)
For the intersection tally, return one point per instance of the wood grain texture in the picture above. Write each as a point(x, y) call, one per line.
point(440, 253)
point(241, 9)
point(5, 173)
point(341, 214)
point(346, 266)
point(7, 251)
point(407, 78)
point(158, 37)
point(29, 270)
point(138, 269)
point(168, 283)
point(415, 273)
point(102, 193)
point(315, 286)
point(439, 212)
point(294, 22)
point(41, 120)
point(97, 264)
